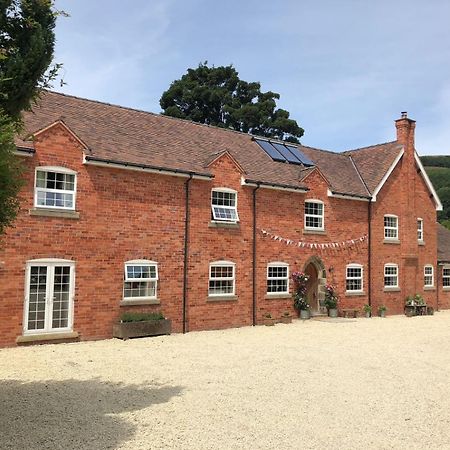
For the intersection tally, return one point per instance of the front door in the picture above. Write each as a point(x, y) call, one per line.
point(49, 297)
point(312, 288)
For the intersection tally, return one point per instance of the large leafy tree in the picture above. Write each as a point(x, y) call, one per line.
point(217, 96)
point(26, 50)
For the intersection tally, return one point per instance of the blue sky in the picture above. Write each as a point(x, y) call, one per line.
point(345, 69)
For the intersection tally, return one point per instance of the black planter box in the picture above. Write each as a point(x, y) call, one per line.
point(126, 330)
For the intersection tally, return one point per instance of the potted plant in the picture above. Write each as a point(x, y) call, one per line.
point(421, 306)
point(269, 321)
point(367, 311)
point(286, 317)
point(141, 324)
point(331, 300)
point(300, 300)
point(410, 306)
point(382, 311)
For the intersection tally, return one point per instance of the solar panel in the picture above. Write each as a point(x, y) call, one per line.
point(270, 150)
point(284, 153)
point(290, 156)
point(300, 155)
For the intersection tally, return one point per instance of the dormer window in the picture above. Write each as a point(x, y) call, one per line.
point(314, 215)
point(55, 187)
point(224, 205)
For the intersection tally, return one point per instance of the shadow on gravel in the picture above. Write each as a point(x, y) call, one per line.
point(72, 414)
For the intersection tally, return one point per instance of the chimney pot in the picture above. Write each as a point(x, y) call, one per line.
point(404, 115)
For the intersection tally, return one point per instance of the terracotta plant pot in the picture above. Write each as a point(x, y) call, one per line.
point(286, 319)
point(269, 322)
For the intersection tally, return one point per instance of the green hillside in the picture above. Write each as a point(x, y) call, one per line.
point(438, 169)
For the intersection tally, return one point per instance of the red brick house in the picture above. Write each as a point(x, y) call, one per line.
point(128, 210)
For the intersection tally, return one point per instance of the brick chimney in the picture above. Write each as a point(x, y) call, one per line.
point(408, 220)
point(405, 132)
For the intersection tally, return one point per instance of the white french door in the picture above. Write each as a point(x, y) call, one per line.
point(49, 296)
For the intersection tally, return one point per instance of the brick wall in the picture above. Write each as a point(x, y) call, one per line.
point(443, 293)
point(405, 195)
point(126, 215)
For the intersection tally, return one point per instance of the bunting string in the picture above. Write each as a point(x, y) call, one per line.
point(315, 245)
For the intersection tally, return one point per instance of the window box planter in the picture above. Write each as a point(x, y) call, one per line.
point(127, 328)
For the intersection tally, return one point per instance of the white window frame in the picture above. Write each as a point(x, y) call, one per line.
point(446, 278)
point(395, 266)
point(278, 264)
point(420, 229)
point(50, 263)
point(385, 228)
point(428, 275)
point(127, 279)
point(322, 216)
point(235, 207)
point(55, 169)
point(233, 278)
point(361, 278)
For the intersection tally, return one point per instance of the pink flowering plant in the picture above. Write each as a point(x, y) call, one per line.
point(300, 299)
point(331, 297)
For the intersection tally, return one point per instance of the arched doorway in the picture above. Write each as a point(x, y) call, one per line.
point(315, 269)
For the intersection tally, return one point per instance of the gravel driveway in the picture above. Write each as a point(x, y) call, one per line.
point(344, 384)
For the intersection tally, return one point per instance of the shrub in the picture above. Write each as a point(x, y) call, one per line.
point(141, 317)
point(331, 298)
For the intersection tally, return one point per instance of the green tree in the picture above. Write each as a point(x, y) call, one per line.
point(26, 50)
point(444, 195)
point(217, 96)
point(10, 170)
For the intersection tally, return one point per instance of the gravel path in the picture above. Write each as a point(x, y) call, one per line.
point(345, 384)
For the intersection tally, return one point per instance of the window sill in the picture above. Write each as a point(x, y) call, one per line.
point(280, 295)
point(143, 301)
point(391, 241)
point(307, 231)
point(446, 288)
point(355, 294)
point(421, 243)
point(218, 224)
point(429, 288)
point(221, 298)
point(391, 289)
point(69, 335)
point(49, 212)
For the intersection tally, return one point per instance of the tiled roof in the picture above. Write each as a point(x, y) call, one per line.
point(443, 244)
point(373, 162)
point(137, 137)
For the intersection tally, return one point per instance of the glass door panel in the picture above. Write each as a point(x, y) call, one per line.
point(37, 298)
point(61, 296)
